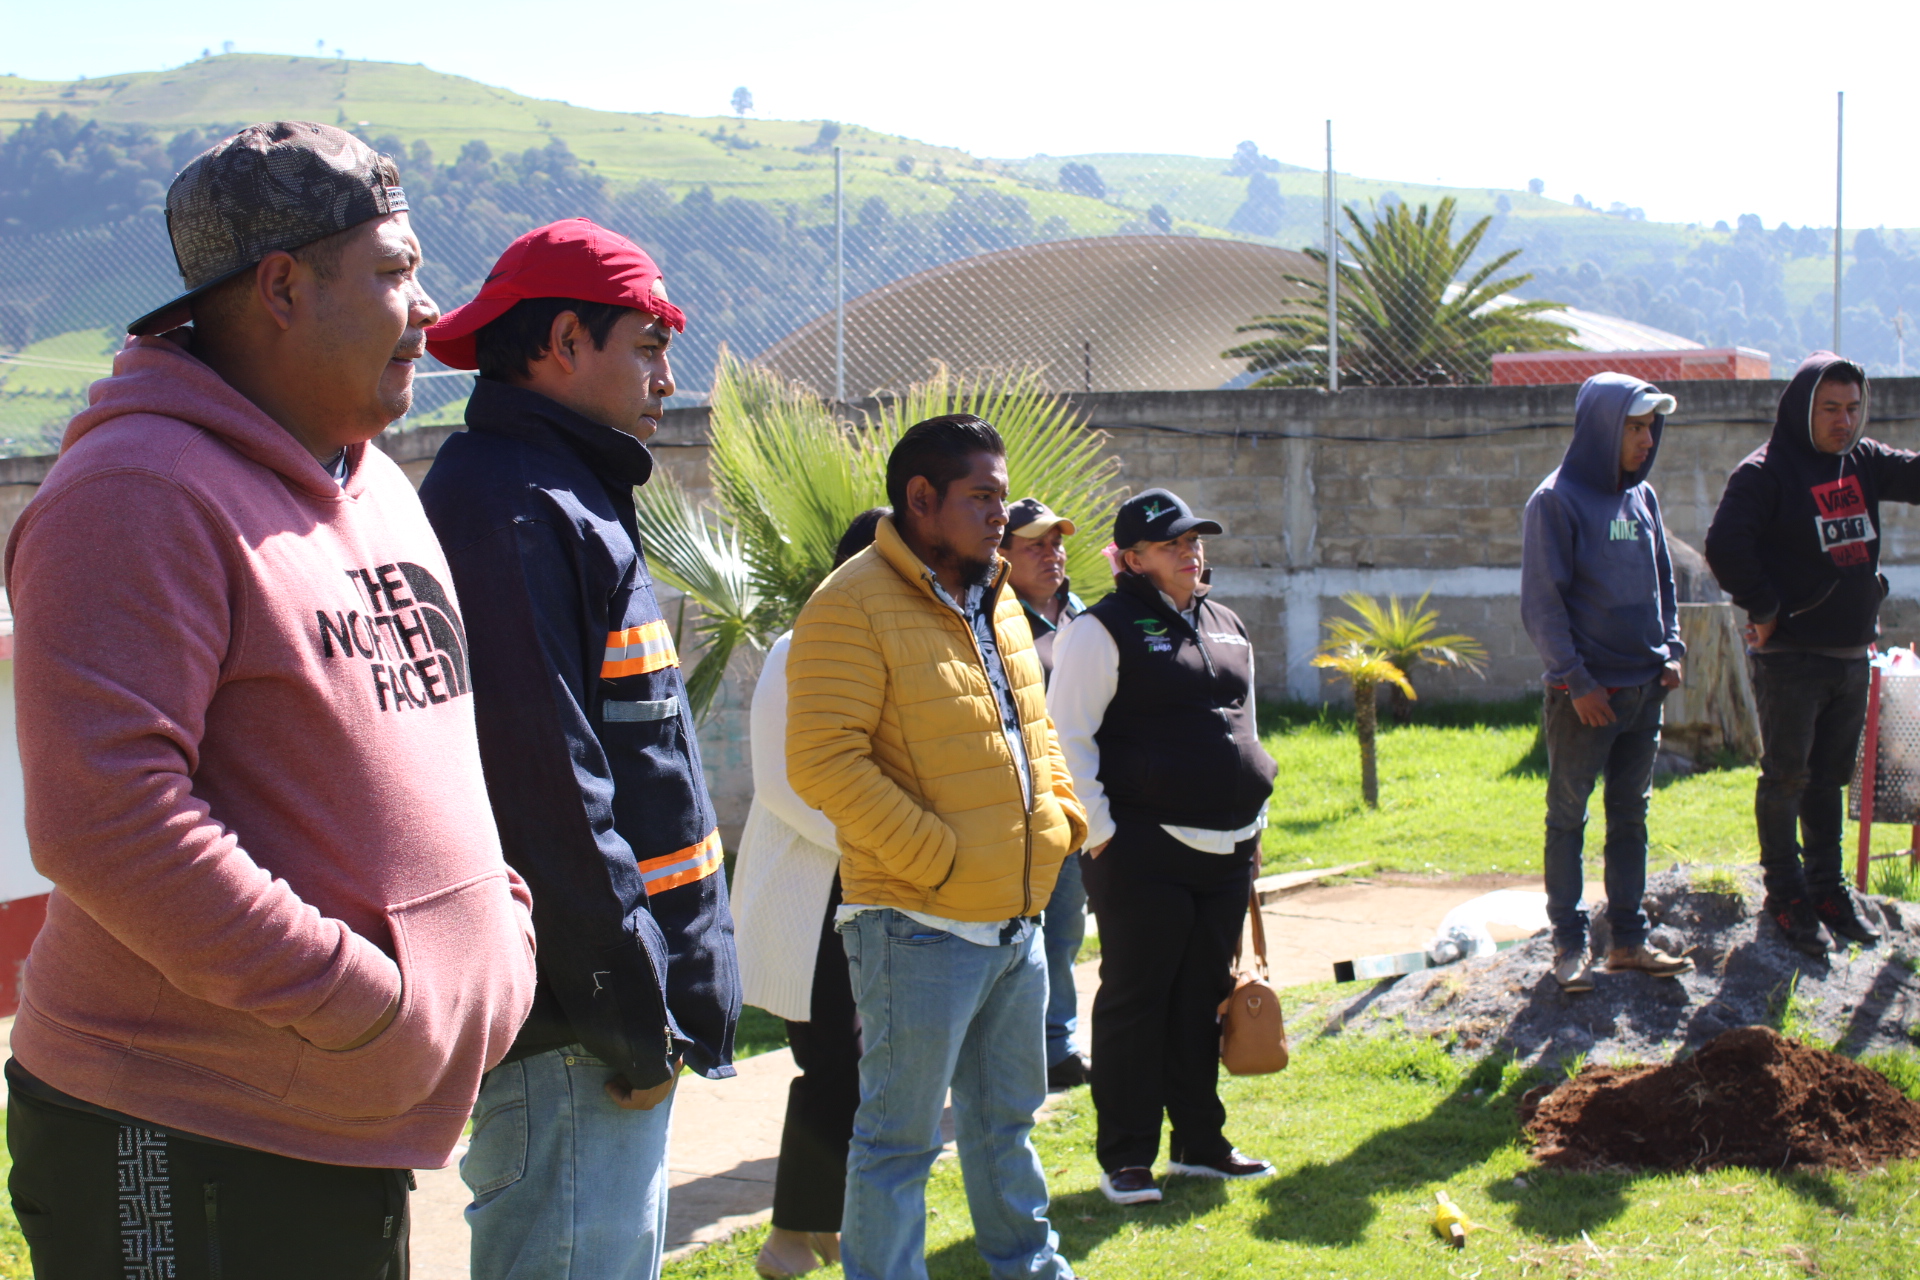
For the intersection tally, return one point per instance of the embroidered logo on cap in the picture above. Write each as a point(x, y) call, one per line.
point(396, 200)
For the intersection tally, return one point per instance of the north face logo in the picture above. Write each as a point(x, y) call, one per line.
point(410, 636)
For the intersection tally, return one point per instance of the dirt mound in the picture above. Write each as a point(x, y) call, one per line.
point(1751, 1098)
point(1859, 1000)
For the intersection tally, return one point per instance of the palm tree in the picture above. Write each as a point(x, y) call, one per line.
point(788, 478)
point(1404, 636)
point(1366, 670)
point(1406, 318)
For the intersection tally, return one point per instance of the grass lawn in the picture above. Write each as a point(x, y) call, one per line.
point(13, 1246)
point(1463, 791)
point(1364, 1133)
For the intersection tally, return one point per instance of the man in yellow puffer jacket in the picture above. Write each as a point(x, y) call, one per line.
point(917, 722)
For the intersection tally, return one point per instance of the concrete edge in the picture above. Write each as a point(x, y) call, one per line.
point(1271, 888)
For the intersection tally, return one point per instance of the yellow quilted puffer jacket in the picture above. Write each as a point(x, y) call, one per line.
point(893, 733)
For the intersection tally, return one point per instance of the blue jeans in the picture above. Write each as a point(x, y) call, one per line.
point(1577, 754)
point(938, 1011)
point(1065, 924)
point(566, 1185)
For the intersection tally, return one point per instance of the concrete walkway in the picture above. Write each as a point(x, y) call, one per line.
point(726, 1134)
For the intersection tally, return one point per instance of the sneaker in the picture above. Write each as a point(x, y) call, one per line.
point(1797, 923)
point(1573, 971)
point(1236, 1167)
point(1647, 959)
point(1070, 1072)
point(1836, 911)
point(1130, 1186)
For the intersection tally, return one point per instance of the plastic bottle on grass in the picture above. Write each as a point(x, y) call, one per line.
point(1449, 1223)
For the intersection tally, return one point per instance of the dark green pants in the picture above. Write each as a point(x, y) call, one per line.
point(100, 1200)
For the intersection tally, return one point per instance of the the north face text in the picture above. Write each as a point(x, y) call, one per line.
point(410, 636)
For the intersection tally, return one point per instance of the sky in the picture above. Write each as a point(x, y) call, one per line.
point(1689, 110)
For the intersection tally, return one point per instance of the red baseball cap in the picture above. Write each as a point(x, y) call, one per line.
point(573, 258)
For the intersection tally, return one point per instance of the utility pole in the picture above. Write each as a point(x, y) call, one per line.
point(1839, 187)
point(839, 279)
point(1333, 273)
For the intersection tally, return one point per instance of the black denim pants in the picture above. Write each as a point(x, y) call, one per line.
point(101, 1200)
point(1812, 710)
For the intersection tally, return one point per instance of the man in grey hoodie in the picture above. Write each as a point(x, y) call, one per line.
point(1596, 595)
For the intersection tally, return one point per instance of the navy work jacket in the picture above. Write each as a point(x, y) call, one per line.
point(586, 737)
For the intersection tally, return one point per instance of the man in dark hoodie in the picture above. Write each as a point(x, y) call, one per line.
point(1596, 595)
point(1796, 543)
point(591, 763)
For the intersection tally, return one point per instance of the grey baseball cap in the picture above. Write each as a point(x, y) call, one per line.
point(268, 188)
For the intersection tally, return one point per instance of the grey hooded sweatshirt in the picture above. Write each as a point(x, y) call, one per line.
point(1596, 582)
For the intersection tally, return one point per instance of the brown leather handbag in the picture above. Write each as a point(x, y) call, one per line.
point(1253, 1035)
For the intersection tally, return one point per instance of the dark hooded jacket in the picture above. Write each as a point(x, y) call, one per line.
point(1596, 582)
point(1797, 534)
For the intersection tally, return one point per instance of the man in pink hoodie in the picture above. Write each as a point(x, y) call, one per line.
point(282, 946)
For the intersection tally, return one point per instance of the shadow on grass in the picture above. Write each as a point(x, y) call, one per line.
point(1085, 1220)
point(1557, 1206)
point(1334, 1203)
point(1534, 763)
point(1452, 713)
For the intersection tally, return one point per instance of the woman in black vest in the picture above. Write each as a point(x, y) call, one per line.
point(1152, 696)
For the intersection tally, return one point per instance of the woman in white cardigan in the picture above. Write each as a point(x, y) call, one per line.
point(786, 885)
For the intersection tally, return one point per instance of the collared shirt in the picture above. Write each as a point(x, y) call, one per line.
point(1044, 629)
point(980, 620)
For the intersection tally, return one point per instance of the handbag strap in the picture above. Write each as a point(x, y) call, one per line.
point(1259, 935)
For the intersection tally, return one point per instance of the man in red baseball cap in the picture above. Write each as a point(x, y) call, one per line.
point(588, 746)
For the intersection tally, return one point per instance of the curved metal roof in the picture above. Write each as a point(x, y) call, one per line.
point(1108, 313)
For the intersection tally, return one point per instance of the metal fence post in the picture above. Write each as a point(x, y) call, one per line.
point(839, 279)
point(1333, 273)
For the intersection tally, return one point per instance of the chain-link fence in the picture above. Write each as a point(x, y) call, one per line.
point(1123, 272)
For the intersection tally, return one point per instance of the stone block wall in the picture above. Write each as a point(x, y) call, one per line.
point(1375, 490)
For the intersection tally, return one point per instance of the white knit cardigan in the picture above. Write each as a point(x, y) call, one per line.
point(784, 871)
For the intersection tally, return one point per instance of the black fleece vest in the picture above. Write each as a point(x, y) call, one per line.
point(1177, 745)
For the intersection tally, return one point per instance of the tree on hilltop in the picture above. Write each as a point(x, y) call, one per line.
point(1260, 214)
point(1247, 161)
point(742, 101)
point(1082, 180)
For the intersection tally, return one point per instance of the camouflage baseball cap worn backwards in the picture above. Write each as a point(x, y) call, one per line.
point(268, 188)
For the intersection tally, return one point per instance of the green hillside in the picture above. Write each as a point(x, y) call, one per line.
point(739, 207)
point(771, 160)
point(779, 161)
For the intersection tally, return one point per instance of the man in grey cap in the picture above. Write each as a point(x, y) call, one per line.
point(282, 945)
point(1035, 547)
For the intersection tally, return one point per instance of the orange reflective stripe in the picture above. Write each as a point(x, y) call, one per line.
point(638, 650)
point(683, 866)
